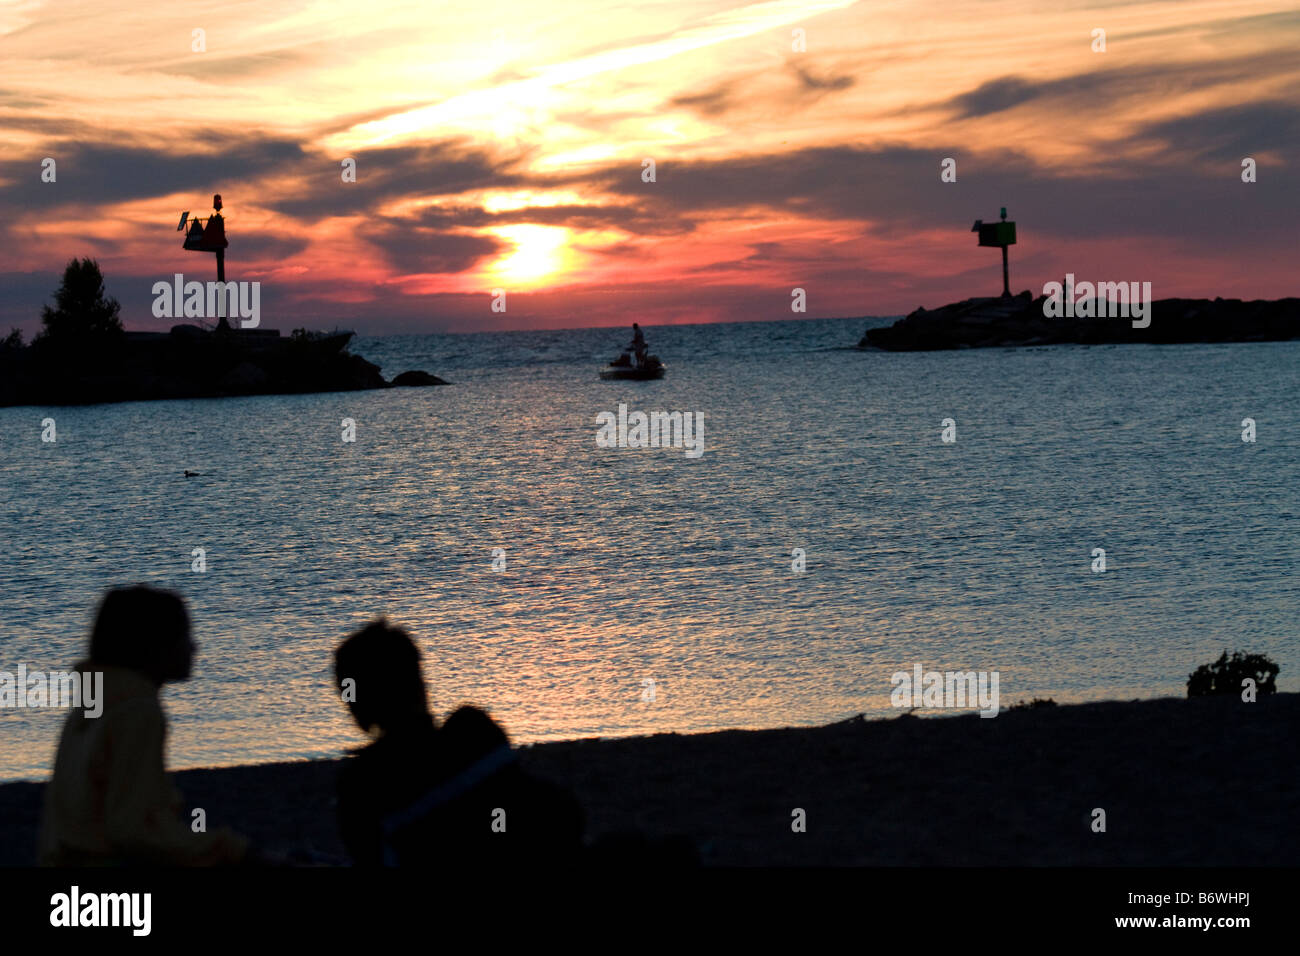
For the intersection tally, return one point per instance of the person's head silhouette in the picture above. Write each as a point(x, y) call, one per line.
point(387, 688)
point(145, 629)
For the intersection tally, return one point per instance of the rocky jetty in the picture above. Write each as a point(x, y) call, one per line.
point(1022, 320)
point(188, 362)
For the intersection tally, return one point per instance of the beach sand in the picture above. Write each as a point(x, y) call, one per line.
point(1208, 781)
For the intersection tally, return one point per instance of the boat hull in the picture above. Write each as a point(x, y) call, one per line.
point(632, 374)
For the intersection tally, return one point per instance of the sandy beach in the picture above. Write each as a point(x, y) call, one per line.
point(1208, 781)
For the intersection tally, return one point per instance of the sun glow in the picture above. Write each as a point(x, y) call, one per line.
point(539, 252)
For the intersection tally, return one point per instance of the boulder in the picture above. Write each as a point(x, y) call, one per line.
point(417, 378)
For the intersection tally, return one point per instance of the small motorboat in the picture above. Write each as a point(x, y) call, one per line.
point(626, 367)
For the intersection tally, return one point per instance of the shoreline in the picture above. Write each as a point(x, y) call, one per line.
point(1208, 781)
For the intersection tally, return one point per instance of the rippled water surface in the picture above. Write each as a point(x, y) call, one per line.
point(625, 565)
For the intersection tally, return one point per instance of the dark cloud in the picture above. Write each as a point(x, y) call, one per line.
point(26, 100)
point(58, 129)
point(764, 252)
point(259, 246)
point(203, 163)
point(618, 250)
point(751, 92)
point(439, 218)
point(459, 217)
point(1100, 89)
point(818, 85)
point(712, 102)
point(439, 240)
point(385, 175)
point(996, 96)
point(898, 191)
point(636, 219)
point(412, 248)
point(1230, 134)
point(101, 174)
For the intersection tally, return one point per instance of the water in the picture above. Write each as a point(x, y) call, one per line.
point(631, 565)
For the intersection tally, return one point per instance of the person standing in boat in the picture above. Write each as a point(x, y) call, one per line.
point(638, 344)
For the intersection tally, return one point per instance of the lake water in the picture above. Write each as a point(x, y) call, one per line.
point(625, 566)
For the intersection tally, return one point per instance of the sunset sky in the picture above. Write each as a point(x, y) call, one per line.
point(500, 145)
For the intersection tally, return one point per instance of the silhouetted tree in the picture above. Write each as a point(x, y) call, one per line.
point(1225, 675)
point(82, 312)
point(14, 340)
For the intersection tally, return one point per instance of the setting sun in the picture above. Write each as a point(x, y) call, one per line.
point(539, 252)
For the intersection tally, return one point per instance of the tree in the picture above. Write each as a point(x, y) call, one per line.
point(1225, 675)
point(82, 313)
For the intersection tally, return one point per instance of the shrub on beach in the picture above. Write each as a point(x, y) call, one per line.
point(1225, 675)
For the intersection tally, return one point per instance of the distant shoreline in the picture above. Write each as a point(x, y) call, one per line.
point(1202, 782)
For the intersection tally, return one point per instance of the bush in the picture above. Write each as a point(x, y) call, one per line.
point(1225, 675)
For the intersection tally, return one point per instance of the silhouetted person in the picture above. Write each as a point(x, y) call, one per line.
point(110, 801)
point(424, 795)
point(638, 344)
